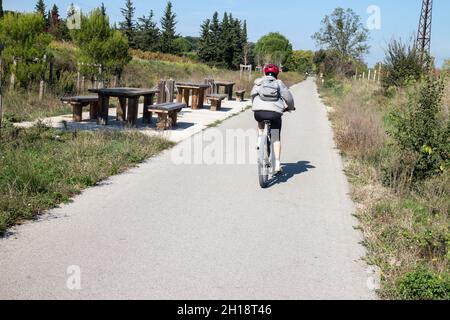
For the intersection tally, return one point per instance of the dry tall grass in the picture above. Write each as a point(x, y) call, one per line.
point(358, 125)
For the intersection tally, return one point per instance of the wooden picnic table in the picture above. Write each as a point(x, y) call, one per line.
point(131, 94)
point(198, 93)
point(228, 87)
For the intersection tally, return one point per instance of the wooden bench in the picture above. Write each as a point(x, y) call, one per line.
point(240, 94)
point(216, 101)
point(167, 114)
point(79, 102)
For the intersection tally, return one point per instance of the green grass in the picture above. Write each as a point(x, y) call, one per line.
point(22, 106)
point(41, 168)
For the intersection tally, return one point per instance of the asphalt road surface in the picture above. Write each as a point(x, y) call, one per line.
point(167, 230)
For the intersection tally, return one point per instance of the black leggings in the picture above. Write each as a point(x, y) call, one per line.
point(276, 122)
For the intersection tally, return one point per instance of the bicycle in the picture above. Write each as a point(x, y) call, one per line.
point(266, 156)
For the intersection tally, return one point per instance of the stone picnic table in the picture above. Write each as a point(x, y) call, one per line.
point(124, 111)
point(228, 87)
point(198, 93)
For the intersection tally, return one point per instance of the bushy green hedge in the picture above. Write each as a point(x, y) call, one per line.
point(423, 284)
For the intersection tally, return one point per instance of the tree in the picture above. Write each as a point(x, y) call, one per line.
point(206, 50)
point(99, 44)
point(103, 9)
point(41, 9)
point(216, 34)
point(402, 64)
point(245, 45)
point(222, 42)
point(57, 26)
point(168, 32)
point(26, 41)
point(344, 33)
point(273, 48)
point(128, 25)
point(1, 9)
point(54, 16)
point(182, 45)
point(225, 46)
point(301, 61)
point(238, 42)
point(148, 34)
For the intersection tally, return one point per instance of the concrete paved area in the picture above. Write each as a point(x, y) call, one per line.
point(167, 231)
point(190, 121)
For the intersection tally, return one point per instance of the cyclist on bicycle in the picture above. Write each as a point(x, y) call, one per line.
point(271, 98)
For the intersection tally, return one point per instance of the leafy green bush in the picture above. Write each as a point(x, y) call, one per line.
point(422, 130)
point(402, 65)
point(423, 284)
point(335, 86)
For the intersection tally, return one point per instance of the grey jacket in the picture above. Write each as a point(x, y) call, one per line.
point(277, 106)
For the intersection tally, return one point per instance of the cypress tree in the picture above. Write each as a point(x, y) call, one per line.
point(1, 8)
point(225, 50)
point(206, 48)
point(216, 34)
point(103, 9)
point(245, 44)
point(128, 25)
point(54, 16)
point(168, 32)
point(41, 9)
point(148, 34)
point(236, 43)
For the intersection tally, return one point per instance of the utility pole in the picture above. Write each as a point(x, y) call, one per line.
point(423, 43)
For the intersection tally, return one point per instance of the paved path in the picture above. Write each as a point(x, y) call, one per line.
point(166, 231)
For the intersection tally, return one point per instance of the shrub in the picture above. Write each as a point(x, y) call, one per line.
point(421, 130)
point(423, 284)
point(402, 65)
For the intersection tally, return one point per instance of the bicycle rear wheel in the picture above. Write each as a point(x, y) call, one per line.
point(264, 162)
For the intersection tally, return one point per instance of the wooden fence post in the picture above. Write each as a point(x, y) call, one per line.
point(78, 79)
point(171, 90)
point(1, 92)
point(41, 84)
point(100, 82)
point(13, 76)
point(379, 73)
point(162, 91)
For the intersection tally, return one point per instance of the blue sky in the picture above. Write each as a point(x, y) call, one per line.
point(298, 20)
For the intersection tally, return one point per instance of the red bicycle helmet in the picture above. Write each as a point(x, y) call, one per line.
point(272, 70)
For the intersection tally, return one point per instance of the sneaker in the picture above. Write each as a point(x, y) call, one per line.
point(278, 168)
